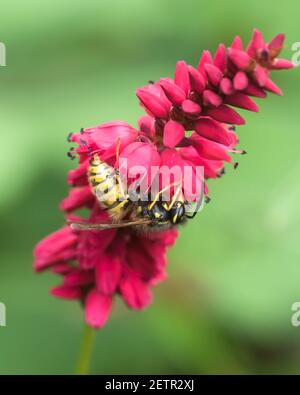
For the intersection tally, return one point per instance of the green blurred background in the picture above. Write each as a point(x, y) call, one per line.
point(234, 272)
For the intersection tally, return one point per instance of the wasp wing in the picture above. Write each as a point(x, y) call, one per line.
point(107, 225)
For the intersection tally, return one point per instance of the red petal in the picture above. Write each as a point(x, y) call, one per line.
point(108, 272)
point(220, 59)
point(97, 309)
point(197, 80)
point(272, 87)
point(226, 86)
point(243, 101)
point(212, 130)
point(190, 107)
point(240, 81)
point(213, 73)
point(254, 90)
point(135, 293)
point(78, 197)
point(281, 64)
point(209, 149)
point(226, 114)
point(257, 42)
point(181, 77)
point(173, 92)
point(173, 134)
point(211, 98)
point(78, 277)
point(205, 58)
point(276, 45)
point(237, 43)
point(65, 292)
point(152, 103)
point(260, 74)
point(240, 58)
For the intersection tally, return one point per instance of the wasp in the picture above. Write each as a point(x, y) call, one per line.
point(124, 211)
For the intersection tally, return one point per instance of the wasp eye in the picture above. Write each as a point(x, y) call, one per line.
point(177, 213)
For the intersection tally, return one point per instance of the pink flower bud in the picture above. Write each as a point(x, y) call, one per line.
point(181, 77)
point(173, 134)
point(212, 130)
point(211, 98)
point(173, 92)
point(213, 73)
point(154, 100)
point(237, 43)
point(226, 114)
point(272, 87)
point(220, 59)
point(205, 58)
point(281, 64)
point(242, 101)
point(240, 81)
point(260, 75)
point(191, 108)
point(276, 44)
point(257, 43)
point(239, 58)
point(226, 86)
point(197, 80)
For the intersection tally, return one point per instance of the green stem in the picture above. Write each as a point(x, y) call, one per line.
point(85, 350)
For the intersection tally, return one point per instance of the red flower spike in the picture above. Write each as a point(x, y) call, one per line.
point(189, 123)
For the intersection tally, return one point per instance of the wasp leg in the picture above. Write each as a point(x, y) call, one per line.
point(160, 193)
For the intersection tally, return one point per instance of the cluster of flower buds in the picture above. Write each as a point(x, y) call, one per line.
point(201, 99)
point(190, 122)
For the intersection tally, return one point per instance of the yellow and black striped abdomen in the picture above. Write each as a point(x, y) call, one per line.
point(107, 187)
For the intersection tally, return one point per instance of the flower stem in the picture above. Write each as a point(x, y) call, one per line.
point(85, 350)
